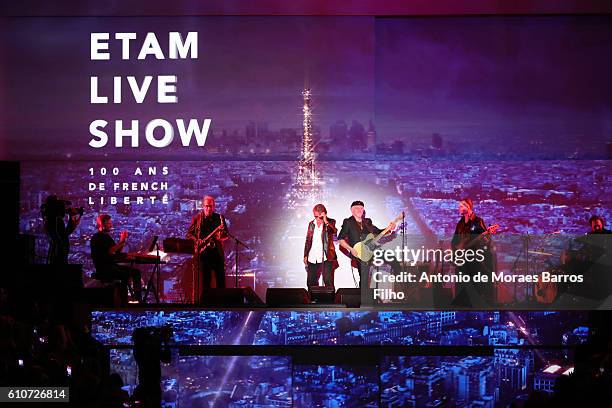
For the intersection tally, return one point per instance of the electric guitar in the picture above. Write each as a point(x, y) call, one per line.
point(366, 247)
point(490, 231)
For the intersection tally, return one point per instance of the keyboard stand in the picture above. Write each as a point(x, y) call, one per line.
point(151, 284)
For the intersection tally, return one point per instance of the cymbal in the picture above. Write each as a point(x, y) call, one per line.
point(540, 253)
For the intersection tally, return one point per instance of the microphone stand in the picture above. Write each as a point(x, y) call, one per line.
point(403, 228)
point(323, 251)
point(403, 232)
point(237, 242)
point(157, 261)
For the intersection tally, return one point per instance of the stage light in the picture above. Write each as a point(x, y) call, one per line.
point(552, 369)
point(337, 199)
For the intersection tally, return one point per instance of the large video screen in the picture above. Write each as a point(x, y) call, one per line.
point(141, 118)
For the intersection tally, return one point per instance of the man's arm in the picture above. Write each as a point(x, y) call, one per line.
point(371, 227)
point(119, 246)
point(343, 236)
point(481, 228)
point(308, 243)
point(331, 226)
point(192, 229)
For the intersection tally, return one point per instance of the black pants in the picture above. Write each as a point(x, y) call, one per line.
point(209, 263)
point(314, 272)
point(473, 294)
point(367, 293)
point(364, 271)
point(58, 252)
point(124, 274)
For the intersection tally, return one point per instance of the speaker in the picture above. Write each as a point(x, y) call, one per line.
point(229, 297)
point(351, 297)
point(286, 297)
point(322, 294)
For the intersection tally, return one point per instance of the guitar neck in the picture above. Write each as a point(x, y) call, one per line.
point(381, 234)
point(384, 232)
point(479, 237)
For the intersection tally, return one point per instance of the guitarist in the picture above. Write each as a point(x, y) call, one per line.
point(471, 232)
point(355, 229)
point(590, 255)
point(212, 258)
point(319, 250)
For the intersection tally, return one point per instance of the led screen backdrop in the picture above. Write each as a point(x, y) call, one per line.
point(408, 114)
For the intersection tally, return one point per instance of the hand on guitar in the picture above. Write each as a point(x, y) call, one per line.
point(463, 244)
point(492, 229)
point(364, 250)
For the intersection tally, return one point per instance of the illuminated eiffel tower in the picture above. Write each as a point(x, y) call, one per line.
point(306, 188)
point(307, 171)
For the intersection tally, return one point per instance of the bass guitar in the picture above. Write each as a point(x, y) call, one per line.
point(490, 231)
point(366, 247)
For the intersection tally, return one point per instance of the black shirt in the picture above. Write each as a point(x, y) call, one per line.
point(202, 226)
point(101, 243)
point(465, 232)
point(354, 232)
point(603, 231)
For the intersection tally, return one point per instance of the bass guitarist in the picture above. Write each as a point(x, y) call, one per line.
point(355, 229)
point(209, 254)
point(472, 233)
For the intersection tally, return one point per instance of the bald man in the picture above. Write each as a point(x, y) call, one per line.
point(211, 260)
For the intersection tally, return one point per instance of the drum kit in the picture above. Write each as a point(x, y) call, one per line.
point(547, 292)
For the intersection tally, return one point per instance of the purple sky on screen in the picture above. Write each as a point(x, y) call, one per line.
point(249, 68)
point(497, 78)
point(542, 75)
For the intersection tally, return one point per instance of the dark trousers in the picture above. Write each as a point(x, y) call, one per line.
point(364, 271)
point(124, 274)
point(314, 272)
point(209, 264)
point(367, 293)
point(473, 294)
point(364, 274)
point(58, 252)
